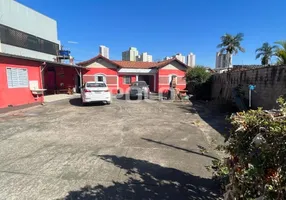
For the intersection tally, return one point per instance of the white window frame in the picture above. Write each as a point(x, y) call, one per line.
point(100, 75)
point(26, 85)
point(124, 79)
point(170, 78)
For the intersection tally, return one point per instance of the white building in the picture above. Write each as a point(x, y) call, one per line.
point(144, 57)
point(191, 60)
point(26, 32)
point(103, 50)
point(167, 58)
point(223, 61)
point(130, 55)
point(180, 57)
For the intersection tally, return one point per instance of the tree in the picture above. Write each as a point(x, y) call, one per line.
point(231, 45)
point(197, 75)
point(198, 82)
point(281, 52)
point(265, 52)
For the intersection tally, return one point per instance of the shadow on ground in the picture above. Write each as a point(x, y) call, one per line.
point(179, 148)
point(147, 180)
point(77, 102)
point(213, 117)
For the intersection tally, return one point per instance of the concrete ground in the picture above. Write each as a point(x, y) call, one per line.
point(126, 150)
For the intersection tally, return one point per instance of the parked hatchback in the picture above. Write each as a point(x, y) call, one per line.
point(95, 92)
point(139, 89)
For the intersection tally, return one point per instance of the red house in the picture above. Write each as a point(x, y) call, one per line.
point(22, 78)
point(119, 74)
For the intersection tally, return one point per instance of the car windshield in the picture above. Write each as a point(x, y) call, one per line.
point(95, 85)
point(139, 84)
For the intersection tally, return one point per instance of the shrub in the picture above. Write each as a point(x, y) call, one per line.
point(199, 82)
point(256, 166)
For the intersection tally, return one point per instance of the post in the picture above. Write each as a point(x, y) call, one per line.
point(249, 98)
point(80, 78)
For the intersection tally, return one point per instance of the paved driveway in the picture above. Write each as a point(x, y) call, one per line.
point(127, 150)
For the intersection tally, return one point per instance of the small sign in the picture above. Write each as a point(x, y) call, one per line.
point(252, 87)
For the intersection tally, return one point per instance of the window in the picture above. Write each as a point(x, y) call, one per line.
point(172, 80)
point(17, 77)
point(21, 39)
point(127, 79)
point(100, 78)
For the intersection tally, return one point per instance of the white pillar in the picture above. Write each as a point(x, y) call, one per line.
point(154, 76)
point(136, 77)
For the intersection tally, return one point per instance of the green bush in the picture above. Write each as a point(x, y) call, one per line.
point(256, 166)
point(199, 82)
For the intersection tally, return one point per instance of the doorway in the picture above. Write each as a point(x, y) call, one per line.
point(50, 80)
point(149, 79)
point(77, 83)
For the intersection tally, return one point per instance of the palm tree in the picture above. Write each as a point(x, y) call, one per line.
point(281, 52)
point(265, 52)
point(231, 45)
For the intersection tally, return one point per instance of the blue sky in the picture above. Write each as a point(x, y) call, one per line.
point(164, 27)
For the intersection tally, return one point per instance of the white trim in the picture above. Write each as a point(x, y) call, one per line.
point(170, 78)
point(117, 78)
point(137, 71)
point(169, 84)
point(169, 75)
point(154, 77)
point(100, 74)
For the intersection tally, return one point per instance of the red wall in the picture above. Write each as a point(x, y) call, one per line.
point(163, 79)
point(64, 78)
point(110, 74)
point(18, 96)
point(124, 88)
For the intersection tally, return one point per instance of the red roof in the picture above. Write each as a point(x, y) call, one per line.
point(132, 64)
point(135, 64)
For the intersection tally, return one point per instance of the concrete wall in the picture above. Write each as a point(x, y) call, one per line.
point(4, 48)
point(18, 16)
point(25, 19)
point(270, 84)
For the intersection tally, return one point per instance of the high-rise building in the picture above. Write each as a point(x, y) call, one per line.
point(36, 39)
point(144, 57)
point(223, 61)
point(103, 50)
point(130, 55)
point(191, 60)
point(180, 57)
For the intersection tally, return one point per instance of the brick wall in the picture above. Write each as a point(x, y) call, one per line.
point(270, 84)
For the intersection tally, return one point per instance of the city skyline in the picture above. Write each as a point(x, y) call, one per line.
point(162, 35)
point(132, 54)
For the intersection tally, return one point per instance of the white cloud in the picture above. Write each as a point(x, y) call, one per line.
point(72, 42)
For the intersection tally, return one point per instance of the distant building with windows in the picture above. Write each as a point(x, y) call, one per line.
point(191, 60)
point(223, 60)
point(144, 57)
point(130, 55)
point(103, 50)
point(26, 32)
point(180, 57)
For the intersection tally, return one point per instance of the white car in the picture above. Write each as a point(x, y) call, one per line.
point(95, 92)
